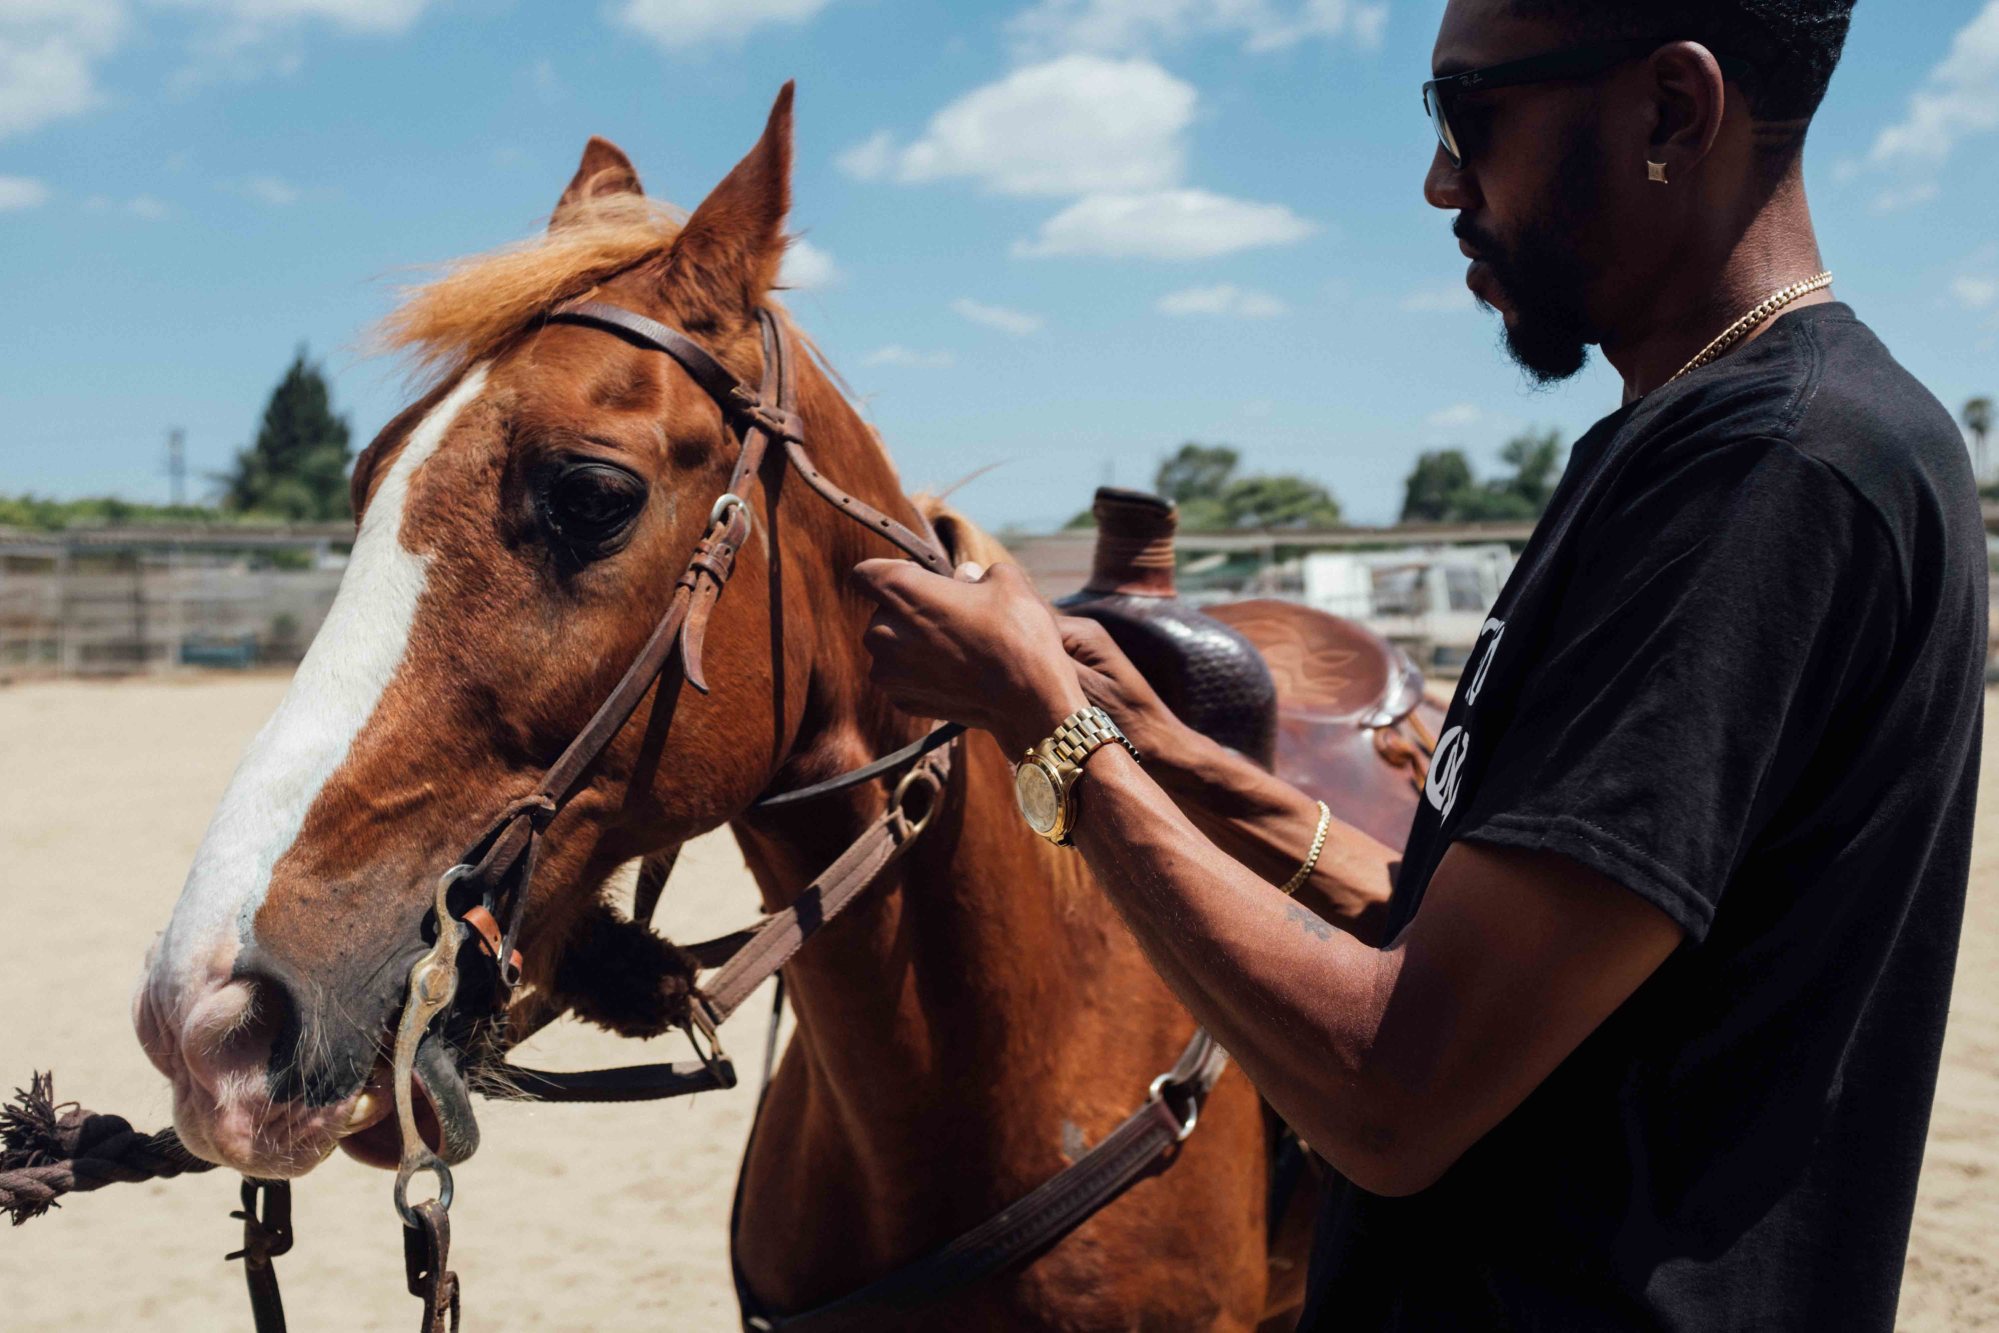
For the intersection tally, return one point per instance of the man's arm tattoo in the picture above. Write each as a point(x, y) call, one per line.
point(1309, 921)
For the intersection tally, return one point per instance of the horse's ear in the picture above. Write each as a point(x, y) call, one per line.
point(727, 255)
point(605, 171)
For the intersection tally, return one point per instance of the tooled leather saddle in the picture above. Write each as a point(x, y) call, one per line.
point(1324, 702)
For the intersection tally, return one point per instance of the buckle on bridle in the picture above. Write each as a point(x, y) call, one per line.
point(727, 501)
point(707, 1043)
point(1192, 1116)
point(926, 776)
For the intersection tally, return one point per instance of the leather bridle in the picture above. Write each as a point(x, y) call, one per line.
point(498, 869)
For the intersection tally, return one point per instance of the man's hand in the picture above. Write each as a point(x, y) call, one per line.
point(980, 649)
point(1115, 685)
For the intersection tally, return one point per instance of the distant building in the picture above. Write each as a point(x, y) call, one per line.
point(1432, 600)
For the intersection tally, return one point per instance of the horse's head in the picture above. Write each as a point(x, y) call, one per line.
point(520, 530)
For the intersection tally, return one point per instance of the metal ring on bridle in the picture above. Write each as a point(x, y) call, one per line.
point(730, 500)
point(444, 1188)
point(927, 776)
point(1157, 1093)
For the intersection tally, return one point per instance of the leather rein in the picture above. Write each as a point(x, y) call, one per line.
point(498, 868)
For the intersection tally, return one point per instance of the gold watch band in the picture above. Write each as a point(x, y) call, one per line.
point(1082, 734)
point(1045, 780)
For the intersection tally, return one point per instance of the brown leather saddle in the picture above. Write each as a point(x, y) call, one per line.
point(1324, 702)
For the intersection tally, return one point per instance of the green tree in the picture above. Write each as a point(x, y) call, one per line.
point(1440, 479)
point(28, 511)
point(1282, 501)
point(297, 468)
point(1494, 502)
point(1978, 420)
point(1195, 472)
point(1443, 489)
point(1201, 479)
point(1536, 459)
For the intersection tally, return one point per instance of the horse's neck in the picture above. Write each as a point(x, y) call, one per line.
point(972, 933)
point(979, 935)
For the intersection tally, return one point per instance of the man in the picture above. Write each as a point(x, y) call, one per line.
point(1652, 1032)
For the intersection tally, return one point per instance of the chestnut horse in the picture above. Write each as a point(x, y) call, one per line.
point(962, 1032)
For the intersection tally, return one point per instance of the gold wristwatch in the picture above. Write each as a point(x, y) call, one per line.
point(1044, 785)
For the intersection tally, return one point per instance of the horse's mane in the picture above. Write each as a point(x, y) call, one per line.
point(962, 538)
point(479, 303)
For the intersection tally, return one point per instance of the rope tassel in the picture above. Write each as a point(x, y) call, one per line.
point(50, 1148)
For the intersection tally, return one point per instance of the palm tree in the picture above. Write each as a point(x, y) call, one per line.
point(1978, 420)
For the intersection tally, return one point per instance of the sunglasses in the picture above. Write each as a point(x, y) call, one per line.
point(1575, 63)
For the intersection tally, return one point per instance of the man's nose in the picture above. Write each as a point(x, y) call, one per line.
point(1447, 186)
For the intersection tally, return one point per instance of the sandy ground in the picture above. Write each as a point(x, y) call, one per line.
point(599, 1217)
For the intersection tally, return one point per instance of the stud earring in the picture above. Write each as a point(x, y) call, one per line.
point(1655, 171)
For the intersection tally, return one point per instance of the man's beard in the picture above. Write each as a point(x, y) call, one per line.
point(1540, 274)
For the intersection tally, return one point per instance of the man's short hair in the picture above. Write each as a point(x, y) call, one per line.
point(1790, 46)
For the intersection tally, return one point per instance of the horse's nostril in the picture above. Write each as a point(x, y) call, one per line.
point(272, 1014)
point(270, 1030)
point(231, 1031)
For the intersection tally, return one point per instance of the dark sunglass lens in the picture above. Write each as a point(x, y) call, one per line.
point(1433, 102)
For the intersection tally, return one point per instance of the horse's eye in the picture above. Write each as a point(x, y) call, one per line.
point(591, 507)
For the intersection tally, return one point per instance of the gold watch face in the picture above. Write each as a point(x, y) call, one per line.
point(1034, 791)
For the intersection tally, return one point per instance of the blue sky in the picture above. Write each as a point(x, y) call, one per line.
point(1060, 236)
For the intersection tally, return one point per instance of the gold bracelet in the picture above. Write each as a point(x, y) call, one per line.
point(1293, 884)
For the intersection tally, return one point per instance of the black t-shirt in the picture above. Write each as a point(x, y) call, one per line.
point(1739, 671)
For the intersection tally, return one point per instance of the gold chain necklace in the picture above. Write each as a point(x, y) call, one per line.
point(1741, 328)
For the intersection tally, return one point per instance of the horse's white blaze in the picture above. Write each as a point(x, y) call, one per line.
point(335, 692)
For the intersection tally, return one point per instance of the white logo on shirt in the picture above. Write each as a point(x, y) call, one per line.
point(1447, 768)
point(1497, 629)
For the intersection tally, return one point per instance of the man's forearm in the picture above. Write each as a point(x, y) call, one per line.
point(1391, 1061)
point(1295, 1001)
point(1268, 825)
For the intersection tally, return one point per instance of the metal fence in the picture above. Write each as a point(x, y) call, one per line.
point(122, 601)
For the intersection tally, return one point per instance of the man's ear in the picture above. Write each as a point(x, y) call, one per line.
point(605, 170)
point(1691, 98)
point(726, 257)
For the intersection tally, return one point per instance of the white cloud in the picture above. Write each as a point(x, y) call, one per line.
point(18, 192)
point(1015, 322)
point(1976, 291)
point(1458, 416)
point(1067, 126)
point(390, 16)
point(251, 39)
point(871, 159)
point(271, 190)
point(143, 206)
point(679, 24)
point(1224, 298)
point(47, 51)
point(1959, 99)
point(1137, 25)
point(1164, 224)
point(1441, 299)
point(806, 267)
point(895, 354)
point(545, 82)
point(1900, 198)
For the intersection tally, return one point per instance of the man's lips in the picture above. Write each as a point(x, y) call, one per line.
point(1478, 277)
